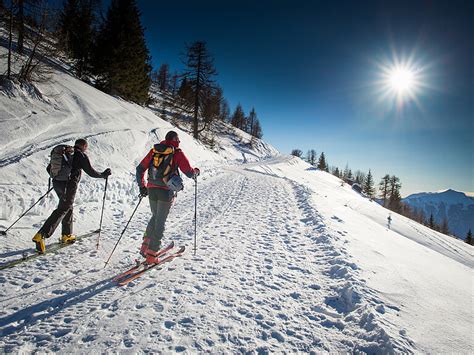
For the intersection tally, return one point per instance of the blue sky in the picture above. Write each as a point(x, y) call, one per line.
point(310, 69)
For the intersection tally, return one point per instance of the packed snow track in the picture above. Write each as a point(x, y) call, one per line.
point(267, 277)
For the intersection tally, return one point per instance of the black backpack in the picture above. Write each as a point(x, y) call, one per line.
point(60, 164)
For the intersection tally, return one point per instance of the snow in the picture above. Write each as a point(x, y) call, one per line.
point(449, 196)
point(454, 206)
point(424, 275)
point(288, 260)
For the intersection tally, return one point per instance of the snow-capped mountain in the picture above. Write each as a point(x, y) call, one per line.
point(455, 206)
point(288, 259)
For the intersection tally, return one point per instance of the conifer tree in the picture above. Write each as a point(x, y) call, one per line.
point(384, 188)
point(469, 238)
point(322, 165)
point(297, 153)
point(185, 92)
point(407, 211)
point(212, 100)
point(311, 156)
point(419, 215)
point(444, 228)
point(238, 117)
point(360, 177)
point(200, 72)
point(431, 222)
point(347, 174)
point(251, 120)
point(162, 77)
point(225, 111)
point(257, 129)
point(395, 199)
point(122, 60)
point(77, 32)
point(368, 187)
point(174, 83)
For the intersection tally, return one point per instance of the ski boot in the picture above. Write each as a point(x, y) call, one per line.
point(39, 240)
point(68, 238)
point(152, 257)
point(144, 247)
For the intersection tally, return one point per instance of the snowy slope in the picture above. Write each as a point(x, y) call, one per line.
point(455, 206)
point(421, 279)
point(288, 260)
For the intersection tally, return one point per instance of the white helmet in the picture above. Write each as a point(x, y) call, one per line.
point(175, 183)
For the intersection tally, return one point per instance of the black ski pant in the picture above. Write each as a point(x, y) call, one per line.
point(160, 204)
point(66, 191)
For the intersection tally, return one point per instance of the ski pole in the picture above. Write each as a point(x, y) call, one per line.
point(28, 210)
point(195, 214)
point(102, 213)
point(121, 234)
point(154, 131)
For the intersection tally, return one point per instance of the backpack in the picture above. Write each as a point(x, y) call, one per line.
point(160, 168)
point(60, 164)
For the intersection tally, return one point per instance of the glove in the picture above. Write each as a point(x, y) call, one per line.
point(197, 172)
point(106, 173)
point(143, 191)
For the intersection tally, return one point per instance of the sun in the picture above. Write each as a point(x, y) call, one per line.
point(402, 80)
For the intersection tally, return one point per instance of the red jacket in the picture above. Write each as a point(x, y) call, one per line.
point(179, 161)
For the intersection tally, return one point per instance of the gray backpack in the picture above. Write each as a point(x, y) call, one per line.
point(60, 165)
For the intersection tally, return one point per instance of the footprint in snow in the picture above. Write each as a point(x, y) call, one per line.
point(169, 324)
point(186, 322)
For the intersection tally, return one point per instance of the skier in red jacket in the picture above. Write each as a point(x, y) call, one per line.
point(162, 163)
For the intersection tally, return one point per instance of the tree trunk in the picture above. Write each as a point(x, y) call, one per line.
point(21, 25)
point(9, 67)
point(196, 97)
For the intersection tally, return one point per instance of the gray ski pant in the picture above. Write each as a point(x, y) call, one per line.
point(160, 204)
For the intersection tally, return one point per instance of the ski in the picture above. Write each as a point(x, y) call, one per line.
point(139, 273)
point(139, 263)
point(50, 249)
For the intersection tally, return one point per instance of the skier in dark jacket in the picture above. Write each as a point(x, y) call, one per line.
point(60, 177)
point(66, 191)
point(160, 195)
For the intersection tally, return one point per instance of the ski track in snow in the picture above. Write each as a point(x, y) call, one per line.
point(15, 156)
point(268, 276)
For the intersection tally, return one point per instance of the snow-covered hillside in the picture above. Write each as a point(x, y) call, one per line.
point(455, 206)
point(288, 260)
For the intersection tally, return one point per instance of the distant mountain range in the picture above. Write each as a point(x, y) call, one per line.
point(456, 206)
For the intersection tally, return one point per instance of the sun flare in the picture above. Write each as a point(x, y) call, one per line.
point(401, 79)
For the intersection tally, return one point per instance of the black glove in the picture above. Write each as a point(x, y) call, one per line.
point(197, 172)
point(107, 172)
point(143, 191)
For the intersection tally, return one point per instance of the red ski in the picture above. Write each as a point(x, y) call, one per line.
point(139, 264)
point(134, 275)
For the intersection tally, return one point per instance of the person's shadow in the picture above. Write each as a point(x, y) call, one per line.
point(48, 308)
point(15, 252)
